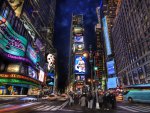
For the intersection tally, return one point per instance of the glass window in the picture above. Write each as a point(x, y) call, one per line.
point(135, 77)
point(147, 69)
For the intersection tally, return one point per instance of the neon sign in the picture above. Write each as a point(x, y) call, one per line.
point(10, 41)
point(18, 77)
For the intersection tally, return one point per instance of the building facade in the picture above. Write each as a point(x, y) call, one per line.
point(22, 49)
point(131, 33)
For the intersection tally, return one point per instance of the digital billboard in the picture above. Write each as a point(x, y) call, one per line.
point(80, 64)
point(13, 68)
point(112, 82)
point(78, 30)
point(78, 38)
point(16, 6)
point(51, 62)
point(41, 76)
point(32, 73)
point(32, 55)
point(106, 36)
point(79, 47)
point(111, 67)
point(11, 42)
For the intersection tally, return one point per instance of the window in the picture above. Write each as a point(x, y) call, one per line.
point(5, 12)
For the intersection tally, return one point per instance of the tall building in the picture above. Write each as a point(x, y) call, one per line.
point(99, 56)
point(22, 46)
point(77, 60)
point(108, 13)
point(130, 35)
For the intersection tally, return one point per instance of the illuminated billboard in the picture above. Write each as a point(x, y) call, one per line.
point(78, 30)
point(80, 77)
point(78, 39)
point(111, 67)
point(33, 56)
point(11, 42)
point(80, 64)
point(13, 68)
point(79, 47)
point(106, 36)
point(32, 73)
point(112, 82)
point(41, 76)
point(51, 62)
point(16, 6)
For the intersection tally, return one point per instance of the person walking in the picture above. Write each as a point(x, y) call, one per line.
point(112, 100)
point(90, 100)
point(83, 102)
point(100, 99)
point(71, 101)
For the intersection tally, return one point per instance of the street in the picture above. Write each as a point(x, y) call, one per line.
point(63, 107)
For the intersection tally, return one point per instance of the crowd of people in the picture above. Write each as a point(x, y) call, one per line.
point(106, 100)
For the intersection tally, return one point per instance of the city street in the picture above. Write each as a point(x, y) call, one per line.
point(63, 107)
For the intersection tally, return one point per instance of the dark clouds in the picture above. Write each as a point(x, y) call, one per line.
point(64, 11)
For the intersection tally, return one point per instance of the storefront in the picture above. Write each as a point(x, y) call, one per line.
point(15, 84)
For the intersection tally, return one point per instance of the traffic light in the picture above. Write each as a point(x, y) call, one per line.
point(95, 68)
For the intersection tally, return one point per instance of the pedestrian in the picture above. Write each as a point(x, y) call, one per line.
point(83, 102)
point(100, 99)
point(71, 101)
point(106, 101)
point(112, 100)
point(90, 100)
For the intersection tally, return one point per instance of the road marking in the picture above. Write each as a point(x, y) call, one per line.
point(56, 108)
point(49, 108)
point(64, 104)
point(123, 107)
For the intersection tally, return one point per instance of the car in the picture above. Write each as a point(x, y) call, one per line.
point(142, 96)
point(63, 97)
point(119, 97)
point(29, 98)
point(52, 97)
point(45, 97)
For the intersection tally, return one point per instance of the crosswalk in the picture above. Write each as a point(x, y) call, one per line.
point(136, 109)
point(49, 107)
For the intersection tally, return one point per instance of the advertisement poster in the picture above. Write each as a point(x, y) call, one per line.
point(51, 62)
point(16, 6)
point(79, 47)
point(41, 76)
point(111, 67)
point(33, 56)
point(106, 36)
point(32, 73)
point(112, 82)
point(11, 42)
point(78, 39)
point(79, 64)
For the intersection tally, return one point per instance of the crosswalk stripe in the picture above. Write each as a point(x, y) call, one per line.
point(37, 107)
point(123, 107)
point(56, 108)
point(49, 108)
point(138, 108)
point(42, 108)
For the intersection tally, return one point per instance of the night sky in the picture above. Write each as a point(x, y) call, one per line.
point(64, 10)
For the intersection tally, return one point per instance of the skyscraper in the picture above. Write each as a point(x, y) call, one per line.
point(130, 35)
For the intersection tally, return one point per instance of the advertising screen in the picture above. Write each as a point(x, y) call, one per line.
point(80, 64)
point(78, 30)
point(51, 62)
point(32, 73)
point(41, 76)
point(106, 36)
point(112, 82)
point(10, 41)
point(79, 47)
point(78, 39)
point(111, 67)
point(13, 68)
point(32, 55)
point(16, 6)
